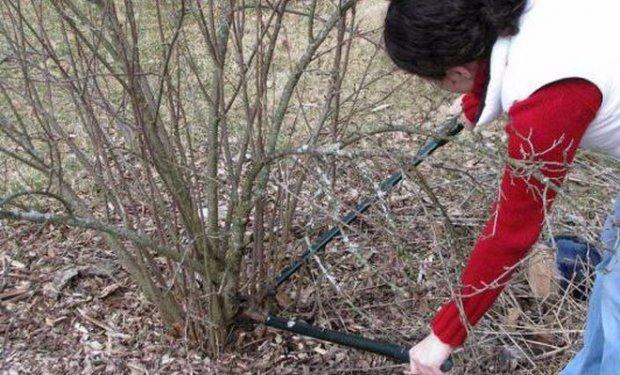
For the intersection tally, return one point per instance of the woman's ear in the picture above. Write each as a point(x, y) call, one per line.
point(461, 72)
point(459, 79)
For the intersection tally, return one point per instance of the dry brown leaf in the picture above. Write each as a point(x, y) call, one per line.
point(513, 316)
point(306, 293)
point(283, 299)
point(320, 350)
point(177, 330)
point(540, 271)
point(544, 342)
point(109, 290)
point(52, 322)
point(14, 293)
point(61, 279)
point(136, 368)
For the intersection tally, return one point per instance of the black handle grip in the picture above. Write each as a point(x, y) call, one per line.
point(399, 354)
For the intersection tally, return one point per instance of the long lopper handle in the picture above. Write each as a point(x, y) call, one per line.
point(448, 129)
point(399, 354)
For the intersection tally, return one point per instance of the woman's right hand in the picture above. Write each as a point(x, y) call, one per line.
point(428, 355)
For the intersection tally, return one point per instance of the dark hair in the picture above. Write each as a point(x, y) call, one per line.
point(427, 37)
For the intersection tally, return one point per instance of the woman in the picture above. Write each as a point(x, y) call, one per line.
point(554, 67)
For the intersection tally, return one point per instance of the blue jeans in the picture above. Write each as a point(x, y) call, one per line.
point(600, 354)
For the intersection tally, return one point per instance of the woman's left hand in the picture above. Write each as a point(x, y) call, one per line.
point(456, 109)
point(428, 355)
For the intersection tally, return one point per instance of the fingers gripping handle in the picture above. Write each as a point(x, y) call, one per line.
point(447, 365)
point(404, 358)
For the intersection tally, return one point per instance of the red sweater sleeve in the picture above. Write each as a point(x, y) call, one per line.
point(471, 101)
point(544, 133)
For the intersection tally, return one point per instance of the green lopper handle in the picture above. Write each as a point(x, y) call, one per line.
point(448, 129)
point(399, 354)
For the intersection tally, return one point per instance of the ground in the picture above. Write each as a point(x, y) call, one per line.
point(98, 322)
point(66, 306)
